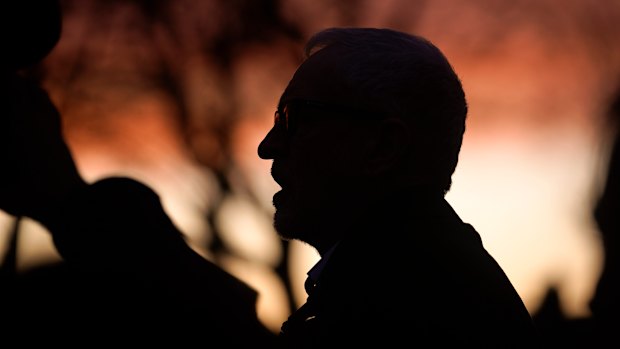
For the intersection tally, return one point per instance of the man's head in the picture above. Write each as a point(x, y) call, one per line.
point(369, 112)
point(29, 30)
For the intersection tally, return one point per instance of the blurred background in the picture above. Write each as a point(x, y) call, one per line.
point(178, 94)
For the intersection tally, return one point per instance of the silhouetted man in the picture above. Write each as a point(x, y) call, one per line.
point(366, 137)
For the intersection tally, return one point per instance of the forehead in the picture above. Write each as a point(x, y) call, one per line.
point(321, 78)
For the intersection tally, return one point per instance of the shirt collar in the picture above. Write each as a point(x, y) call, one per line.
point(315, 272)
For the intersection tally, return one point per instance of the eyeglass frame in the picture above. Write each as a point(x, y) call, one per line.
point(343, 111)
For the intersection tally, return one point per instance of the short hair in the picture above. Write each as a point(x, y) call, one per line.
point(408, 77)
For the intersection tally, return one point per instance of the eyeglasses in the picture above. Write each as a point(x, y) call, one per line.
point(286, 115)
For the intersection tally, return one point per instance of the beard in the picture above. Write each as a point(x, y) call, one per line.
point(317, 220)
point(302, 214)
point(290, 224)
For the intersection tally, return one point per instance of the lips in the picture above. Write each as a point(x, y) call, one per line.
point(277, 199)
point(277, 172)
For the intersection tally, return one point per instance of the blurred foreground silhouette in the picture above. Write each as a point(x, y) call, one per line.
point(127, 273)
point(600, 330)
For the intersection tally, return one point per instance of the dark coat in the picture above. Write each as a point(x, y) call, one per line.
point(411, 273)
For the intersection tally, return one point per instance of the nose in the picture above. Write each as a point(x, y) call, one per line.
point(274, 144)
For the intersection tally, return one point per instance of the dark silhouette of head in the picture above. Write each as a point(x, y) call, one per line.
point(29, 30)
point(370, 112)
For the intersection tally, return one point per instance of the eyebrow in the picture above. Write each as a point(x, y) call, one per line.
point(331, 106)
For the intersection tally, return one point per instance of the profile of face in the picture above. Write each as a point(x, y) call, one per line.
point(318, 157)
point(371, 113)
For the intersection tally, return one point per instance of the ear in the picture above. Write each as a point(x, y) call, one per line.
point(389, 146)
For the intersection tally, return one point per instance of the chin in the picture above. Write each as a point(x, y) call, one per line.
point(288, 227)
point(282, 226)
